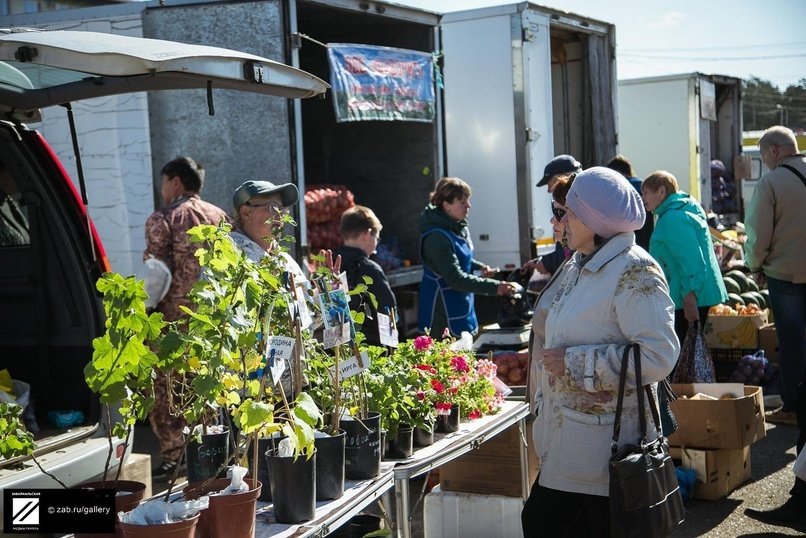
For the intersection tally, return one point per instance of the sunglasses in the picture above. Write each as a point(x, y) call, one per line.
point(558, 212)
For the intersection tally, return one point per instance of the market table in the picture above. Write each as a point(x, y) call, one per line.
point(450, 446)
point(330, 515)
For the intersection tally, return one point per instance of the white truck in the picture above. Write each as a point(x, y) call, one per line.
point(523, 83)
point(680, 123)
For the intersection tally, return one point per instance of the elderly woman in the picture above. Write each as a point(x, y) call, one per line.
point(682, 245)
point(448, 285)
point(609, 295)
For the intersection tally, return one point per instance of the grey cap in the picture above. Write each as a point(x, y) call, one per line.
point(250, 189)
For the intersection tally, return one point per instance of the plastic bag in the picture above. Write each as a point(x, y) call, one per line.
point(800, 465)
point(695, 364)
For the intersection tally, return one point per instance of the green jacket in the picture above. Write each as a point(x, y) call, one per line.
point(682, 245)
point(436, 252)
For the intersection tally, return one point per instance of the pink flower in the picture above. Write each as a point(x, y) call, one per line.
point(437, 386)
point(443, 408)
point(474, 414)
point(459, 364)
point(420, 395)
point(487, 368)
point(422, 343)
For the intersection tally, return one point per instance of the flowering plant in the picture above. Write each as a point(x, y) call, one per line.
point(449, 376)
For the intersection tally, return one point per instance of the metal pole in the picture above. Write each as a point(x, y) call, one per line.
point(402, 506)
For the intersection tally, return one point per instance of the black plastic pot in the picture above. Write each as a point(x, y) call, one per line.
point(449, 423)
point(363, 524)
point(263, 445)
point(401, 445)
point(209, 458)
point(293, 486)
point(362, 451)
point(423, 437)
point(330, 466)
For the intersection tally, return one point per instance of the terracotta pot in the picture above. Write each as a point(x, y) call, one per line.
point(232, 516)
point(180, 529)
point(128, 496)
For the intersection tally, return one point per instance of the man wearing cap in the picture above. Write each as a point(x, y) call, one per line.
point(171, 270)
point(558, 166)
point(257, 205)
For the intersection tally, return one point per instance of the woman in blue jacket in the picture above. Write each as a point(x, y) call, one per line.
point(681, 242)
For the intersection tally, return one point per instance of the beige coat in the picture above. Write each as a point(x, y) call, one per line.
point(618, 297)
point(776, 223)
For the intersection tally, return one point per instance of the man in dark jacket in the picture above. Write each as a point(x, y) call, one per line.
point(360, 230)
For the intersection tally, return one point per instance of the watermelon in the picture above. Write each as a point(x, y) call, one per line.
point(762, 301)
point(751, 285)
point(740, 278)
point(750, 298)
point(731, 285)
point(734, 298)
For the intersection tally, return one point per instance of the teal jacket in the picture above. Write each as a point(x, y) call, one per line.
point(682, 245)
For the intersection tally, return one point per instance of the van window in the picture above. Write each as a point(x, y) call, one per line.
point(14, 229)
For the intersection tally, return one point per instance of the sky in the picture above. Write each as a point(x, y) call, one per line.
point(741, 38)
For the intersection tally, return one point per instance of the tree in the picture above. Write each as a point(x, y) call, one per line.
point(795, 103)
point(760, 100)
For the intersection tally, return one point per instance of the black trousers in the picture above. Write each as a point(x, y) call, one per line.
point(553, 513)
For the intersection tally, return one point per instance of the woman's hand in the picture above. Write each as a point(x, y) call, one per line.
point(487, 271)
point(690, 310)
point(509, 288)
point(554, 361)
point(330, 263)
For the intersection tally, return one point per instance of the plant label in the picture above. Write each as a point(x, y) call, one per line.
point(387, 331)
point(336, 335)
point(350, 367)
point(278, 355)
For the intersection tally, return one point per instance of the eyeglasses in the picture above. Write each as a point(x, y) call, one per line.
point(271, 204)
point(558, 212)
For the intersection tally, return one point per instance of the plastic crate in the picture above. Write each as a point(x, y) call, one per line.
point(725, 361)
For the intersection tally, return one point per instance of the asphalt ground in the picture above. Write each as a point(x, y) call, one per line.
point(771, 459)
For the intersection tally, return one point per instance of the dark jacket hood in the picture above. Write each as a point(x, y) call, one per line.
point(433, 217)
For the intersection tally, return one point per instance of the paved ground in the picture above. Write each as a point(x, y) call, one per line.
point(771, 461)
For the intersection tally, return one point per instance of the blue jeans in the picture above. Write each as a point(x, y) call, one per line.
point(788, 303)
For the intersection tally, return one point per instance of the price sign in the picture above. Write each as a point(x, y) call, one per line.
point(387, 331)
point(350, 367)
point(278, 355)
point(336, 335)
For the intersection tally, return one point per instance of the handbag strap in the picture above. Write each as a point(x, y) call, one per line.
point(640, 394)
point(794, 171)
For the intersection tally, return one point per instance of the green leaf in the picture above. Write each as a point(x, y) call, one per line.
point(305, 409)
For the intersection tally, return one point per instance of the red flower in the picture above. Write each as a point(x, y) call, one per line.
point(420, 395)
point(426, 368)
point(443, 406)
point(437, 386)
point(422, 343)
point(459, 364)
point(474, 414)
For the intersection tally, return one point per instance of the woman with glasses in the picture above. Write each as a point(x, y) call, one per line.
point(448, 285)
point(609, 295)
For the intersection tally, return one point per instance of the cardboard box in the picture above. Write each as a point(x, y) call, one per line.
point(493, 468)
point(138, 468)
point(448, 514)
point(718, 471)
point(768, 341)
point(734, 332)
point(722, 423)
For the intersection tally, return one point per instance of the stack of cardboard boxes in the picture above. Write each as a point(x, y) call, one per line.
point(717, 423)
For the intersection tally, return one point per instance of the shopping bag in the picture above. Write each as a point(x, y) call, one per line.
point(645, 497)
point(695, 364)
point(800, 465)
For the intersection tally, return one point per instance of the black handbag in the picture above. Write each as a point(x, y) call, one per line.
point(644, 494)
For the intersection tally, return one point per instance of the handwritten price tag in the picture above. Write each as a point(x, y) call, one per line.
point(350, 367)
point(278, 355)
point(386, 331)
point(336, 335)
